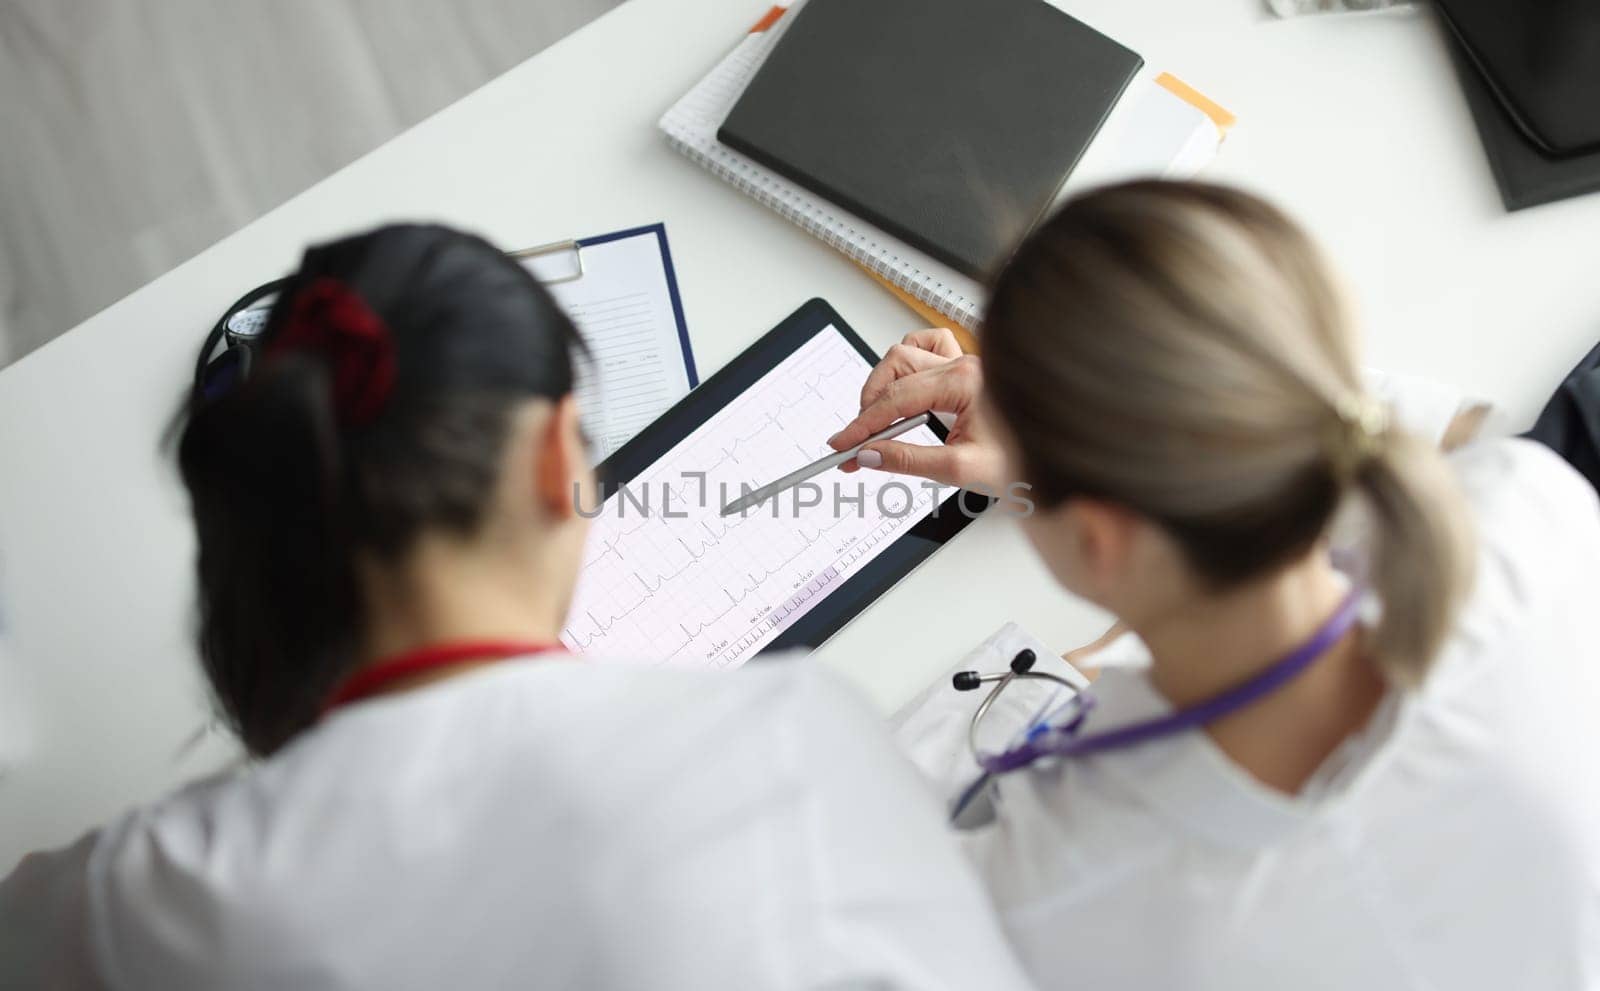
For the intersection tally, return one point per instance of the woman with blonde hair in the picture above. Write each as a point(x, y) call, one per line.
point(1341, 763)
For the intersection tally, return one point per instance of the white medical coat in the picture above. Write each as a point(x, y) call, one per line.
point(536, 823)
point(1453, 844)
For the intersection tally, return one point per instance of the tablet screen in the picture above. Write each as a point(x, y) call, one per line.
point(667, 579)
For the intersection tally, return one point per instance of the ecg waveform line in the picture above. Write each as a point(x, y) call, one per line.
point(703, 590)
point(754, 583)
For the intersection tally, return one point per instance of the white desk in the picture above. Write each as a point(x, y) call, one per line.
point(1355, 124)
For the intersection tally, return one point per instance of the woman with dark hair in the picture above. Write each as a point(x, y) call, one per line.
point(1334, 756)
point(388, 543)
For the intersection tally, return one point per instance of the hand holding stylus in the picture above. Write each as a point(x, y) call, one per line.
point(928, 370)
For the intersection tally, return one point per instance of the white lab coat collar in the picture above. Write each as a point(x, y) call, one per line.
point(1190, 781)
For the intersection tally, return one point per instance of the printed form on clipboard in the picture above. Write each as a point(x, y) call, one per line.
point(621, 291)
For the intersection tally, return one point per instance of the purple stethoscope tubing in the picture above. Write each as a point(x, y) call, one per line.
point(1063, 741)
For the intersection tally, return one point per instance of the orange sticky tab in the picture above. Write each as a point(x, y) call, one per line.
point(1188, 94)
point(928, 314)
point(767, 20)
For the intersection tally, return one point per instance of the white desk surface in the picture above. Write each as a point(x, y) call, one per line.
point(1354, 123)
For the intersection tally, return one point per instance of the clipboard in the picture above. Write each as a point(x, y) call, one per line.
point(621, 289)
point(668, 580)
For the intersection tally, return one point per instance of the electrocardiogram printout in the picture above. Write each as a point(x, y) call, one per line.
point(678, 584)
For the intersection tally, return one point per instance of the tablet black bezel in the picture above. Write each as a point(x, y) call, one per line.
point(884, 571)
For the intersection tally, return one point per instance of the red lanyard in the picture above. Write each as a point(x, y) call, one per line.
point(375, 677)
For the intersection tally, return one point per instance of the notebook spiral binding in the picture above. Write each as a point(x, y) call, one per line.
point(690, 127)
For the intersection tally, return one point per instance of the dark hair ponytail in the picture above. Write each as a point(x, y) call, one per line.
point(290, 489)
point(279, 609)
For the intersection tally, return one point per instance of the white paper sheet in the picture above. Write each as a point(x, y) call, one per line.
point(623, 305)
point(699, 590)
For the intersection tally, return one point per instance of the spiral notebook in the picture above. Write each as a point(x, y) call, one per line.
point(1162, 128)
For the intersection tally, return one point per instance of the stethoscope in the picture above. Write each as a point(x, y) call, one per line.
point(1053, 737)
point(1021, 670)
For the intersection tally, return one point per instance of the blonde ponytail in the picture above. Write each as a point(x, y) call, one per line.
point(1421, 547)
point(1184, 350)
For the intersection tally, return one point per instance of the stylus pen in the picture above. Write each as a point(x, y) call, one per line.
point(828, 463)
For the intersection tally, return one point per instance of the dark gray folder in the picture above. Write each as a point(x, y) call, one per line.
point(951, 124)
point(1530, 71)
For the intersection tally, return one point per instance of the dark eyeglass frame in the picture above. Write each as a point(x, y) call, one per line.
point(229, 351)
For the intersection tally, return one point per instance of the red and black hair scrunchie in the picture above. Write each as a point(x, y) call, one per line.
point(329, 319)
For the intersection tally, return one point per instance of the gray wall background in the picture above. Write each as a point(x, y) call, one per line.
point(134, 133)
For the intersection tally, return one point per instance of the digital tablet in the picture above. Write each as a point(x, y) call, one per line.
point(666, 579)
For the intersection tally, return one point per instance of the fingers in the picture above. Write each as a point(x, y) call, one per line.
point(950, 387)
point(900, 361)
point(903, 397)
point(939, 462)
point(940, 340)
point(918, 351)
point(965, 465)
